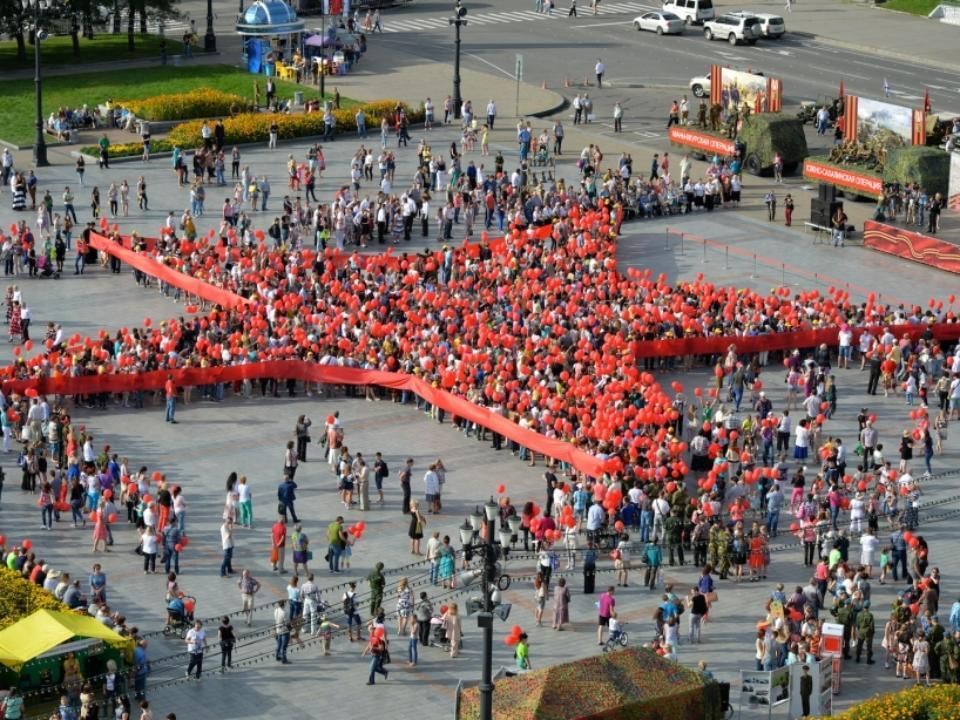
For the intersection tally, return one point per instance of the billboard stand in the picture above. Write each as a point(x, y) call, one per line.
point(817, 697)
point(765, 689)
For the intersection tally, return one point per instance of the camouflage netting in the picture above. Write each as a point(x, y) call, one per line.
point(926, 165)
point(768, 133)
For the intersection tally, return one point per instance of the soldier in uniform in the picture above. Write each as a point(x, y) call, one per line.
point(700, 537)
point(702, 114)
point(934, 637)
point(713, 545)
point(865, 629)
point(723, 550)
point(674, 531)
point(844, 614)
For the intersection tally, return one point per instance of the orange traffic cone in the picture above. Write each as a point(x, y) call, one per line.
point(566, 82)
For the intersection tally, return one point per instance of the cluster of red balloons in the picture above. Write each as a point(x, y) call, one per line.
point(514, 637)
point(357, 529)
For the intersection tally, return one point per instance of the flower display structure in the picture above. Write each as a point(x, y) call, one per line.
point(627, 684)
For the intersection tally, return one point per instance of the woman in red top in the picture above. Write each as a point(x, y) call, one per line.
point(756, 557)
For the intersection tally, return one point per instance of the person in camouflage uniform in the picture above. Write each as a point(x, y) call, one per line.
point(700, 540)
point(842, 610)
point(723, 551)
point(673, 526)
point(948, 650)
point(934, 637)
point(713, 545)
point(866, 627)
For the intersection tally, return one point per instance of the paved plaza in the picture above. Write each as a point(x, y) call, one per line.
point(247, 436)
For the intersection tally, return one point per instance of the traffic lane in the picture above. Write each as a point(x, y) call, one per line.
point(807, 70)
point(854, 62)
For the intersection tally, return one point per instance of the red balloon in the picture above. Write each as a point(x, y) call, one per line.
point(178, 547)
point(26, 544)
point(112, 517)
point(501, 489)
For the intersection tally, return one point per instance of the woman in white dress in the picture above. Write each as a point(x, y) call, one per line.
point(857, 512)
point(868, 550)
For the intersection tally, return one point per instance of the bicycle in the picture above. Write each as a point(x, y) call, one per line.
point(617, 640)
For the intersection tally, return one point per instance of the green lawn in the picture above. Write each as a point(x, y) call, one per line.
point(17, 108)
point(915, 7)
point(58, 50)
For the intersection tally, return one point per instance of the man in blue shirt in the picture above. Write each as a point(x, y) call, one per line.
point(141, 669)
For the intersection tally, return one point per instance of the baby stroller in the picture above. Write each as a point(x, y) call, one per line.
point(45, 267)
point(438, 634)
point(179, 615)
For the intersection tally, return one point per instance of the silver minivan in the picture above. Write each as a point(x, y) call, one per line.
point(693, 12)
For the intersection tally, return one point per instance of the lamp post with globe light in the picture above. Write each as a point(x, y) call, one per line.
point(492, 583)
point(458, 20)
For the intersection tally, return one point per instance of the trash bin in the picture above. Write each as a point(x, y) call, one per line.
point(298, 98)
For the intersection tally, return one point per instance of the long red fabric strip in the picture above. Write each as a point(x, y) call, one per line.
point(335, 375)
point(177, 279)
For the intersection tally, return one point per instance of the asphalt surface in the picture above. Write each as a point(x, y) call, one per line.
point(644, 71)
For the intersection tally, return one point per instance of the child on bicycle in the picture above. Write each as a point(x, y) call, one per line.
point(615, 628)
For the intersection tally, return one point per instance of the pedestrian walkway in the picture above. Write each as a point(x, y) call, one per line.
point(396, 24)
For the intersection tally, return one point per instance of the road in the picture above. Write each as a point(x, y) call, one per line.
point(644, 71)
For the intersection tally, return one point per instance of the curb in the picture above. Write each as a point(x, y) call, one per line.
point(877, 52)
point(559, 107)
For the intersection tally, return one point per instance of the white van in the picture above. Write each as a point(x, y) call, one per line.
point(693, 12)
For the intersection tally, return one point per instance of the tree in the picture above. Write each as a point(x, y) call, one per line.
point(12, 21)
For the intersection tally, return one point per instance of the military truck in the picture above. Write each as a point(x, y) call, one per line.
point(760, 138)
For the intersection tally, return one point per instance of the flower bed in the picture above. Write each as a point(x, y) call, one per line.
point(255, 127)
point(199, 103)
point(134, 149)
point(940, 702)
point(20, 598)
point(631, 683)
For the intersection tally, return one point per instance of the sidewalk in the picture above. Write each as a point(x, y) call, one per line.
point(863, 27)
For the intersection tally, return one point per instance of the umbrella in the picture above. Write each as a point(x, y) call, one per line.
point(314, 41)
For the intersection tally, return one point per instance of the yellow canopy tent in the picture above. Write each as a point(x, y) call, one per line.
point(45, 630)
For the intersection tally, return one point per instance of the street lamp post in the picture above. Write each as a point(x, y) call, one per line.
point(459, 19)
point(210, 39)
point(323, 51)
point(488, 549)
point(40, 144)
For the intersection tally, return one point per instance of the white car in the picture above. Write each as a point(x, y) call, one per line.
point(700, 86)
point(662, 23)
point(771, 26)
point(734, 29)
point(692, 12)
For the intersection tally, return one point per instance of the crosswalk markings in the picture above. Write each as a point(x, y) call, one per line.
point(411, 24)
